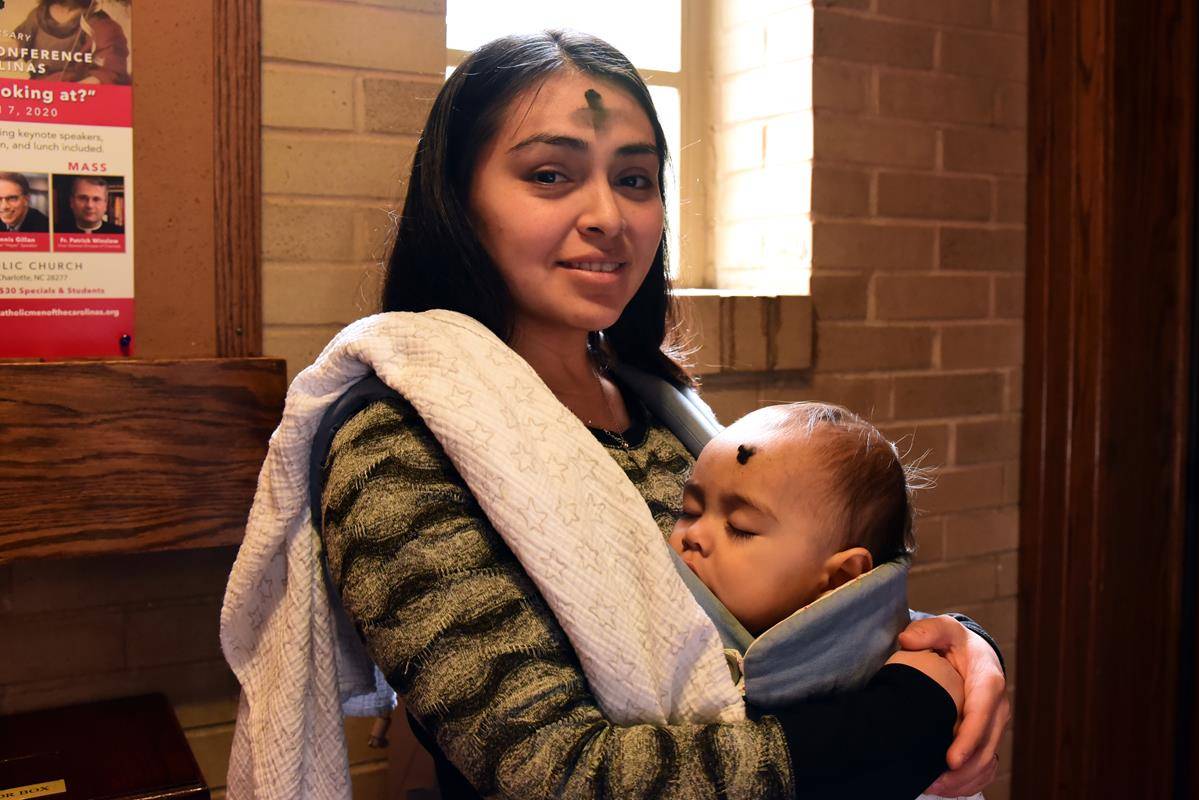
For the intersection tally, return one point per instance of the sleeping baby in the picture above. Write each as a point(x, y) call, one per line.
point(796, 527)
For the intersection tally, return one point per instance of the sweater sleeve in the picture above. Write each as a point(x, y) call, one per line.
point(463, 635)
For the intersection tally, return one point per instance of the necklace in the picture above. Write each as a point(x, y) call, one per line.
point(611, 434)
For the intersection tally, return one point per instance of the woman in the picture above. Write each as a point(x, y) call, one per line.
point(536, 206)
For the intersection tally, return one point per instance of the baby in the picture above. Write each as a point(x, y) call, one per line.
point(788, 503)
point(784, 507)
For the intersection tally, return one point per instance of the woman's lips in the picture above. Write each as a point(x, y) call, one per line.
point(605, 267)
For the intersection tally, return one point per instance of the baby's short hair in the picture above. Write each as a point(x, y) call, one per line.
point(869, 479)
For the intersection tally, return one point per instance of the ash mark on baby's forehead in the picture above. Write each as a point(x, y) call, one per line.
point(744, 452)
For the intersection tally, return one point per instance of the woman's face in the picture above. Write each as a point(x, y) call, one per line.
point(566, 201)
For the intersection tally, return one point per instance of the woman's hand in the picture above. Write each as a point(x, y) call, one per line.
point(972, 758)
point(936, 667)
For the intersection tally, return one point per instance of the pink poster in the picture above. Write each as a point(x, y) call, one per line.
point(66, 178)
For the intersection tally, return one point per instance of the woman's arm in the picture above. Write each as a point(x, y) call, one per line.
point(459, 629)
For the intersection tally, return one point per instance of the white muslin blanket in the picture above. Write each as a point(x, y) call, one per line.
point(574, 520)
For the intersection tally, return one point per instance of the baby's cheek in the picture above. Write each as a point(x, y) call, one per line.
point(676, 538)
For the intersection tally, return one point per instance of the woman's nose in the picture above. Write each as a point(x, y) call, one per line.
point(602, 216)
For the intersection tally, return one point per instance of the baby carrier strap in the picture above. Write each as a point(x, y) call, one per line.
point(356, 398)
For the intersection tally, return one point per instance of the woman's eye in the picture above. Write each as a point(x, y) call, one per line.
point(685, 514)
point(739, 533)
point(549, 177)
point(636, 182)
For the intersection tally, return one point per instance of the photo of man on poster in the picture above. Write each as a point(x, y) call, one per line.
point(87, 205)
point(16, 213)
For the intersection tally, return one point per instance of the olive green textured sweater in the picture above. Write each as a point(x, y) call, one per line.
point(462, 634)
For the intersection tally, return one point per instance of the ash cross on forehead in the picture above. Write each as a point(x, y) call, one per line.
point(595, 102)
point(744, 452)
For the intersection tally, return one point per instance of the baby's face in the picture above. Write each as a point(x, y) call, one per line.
point(754, 526)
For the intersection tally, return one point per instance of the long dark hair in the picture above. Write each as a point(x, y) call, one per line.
point(438, 261)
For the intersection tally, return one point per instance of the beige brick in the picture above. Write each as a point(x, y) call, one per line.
point(745, 331)
point(904, 194)
point(353, 36)
point(874, 142)
point(873, 41)
point(299, 345)
point(1010, 15)
point(982, 249)
point(941, 587)
point(790, 345)
point(173, 634)
point(741, 147)
point(700, 316)
point(730, 400)
point(202, 693)
point(989, 345)
point(1010, 200)
point(789, 34)
point(870, 397)
point(969, 13)
point(396, 106)
point(998, 618)
point(779, 191)
point(909, 297)
point(1009, 296)
point(922, 396)
point(293, 231)
point(1009, 573)
point(839, 86)
point(983, 150)
point(990, 55)
point(1011, 106)
point(788, 142)
point(426, 6)
point(211, 746)
point(82, 583)
point(766, 92)
point(322, 167)
point(374, 233)
point(965, 489)
point(303, 98)
point(44, 646)
point(839, 296)
point(987, 440)
point(324, 294)
point(840, 192)
point(976, 533)
point(742, 48)
point(1011, 482)
point(851, 348)
point(930, 539)
point(850, 245)
point(937, 98)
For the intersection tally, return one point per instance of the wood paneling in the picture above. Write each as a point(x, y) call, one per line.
point(237, 88)
point(1107, 368)
point(123, 456)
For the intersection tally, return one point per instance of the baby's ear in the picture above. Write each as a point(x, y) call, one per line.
point(843, 567)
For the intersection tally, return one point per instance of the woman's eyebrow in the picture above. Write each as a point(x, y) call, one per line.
point(574, 143)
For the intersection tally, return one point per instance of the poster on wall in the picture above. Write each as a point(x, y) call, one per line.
point(66, 178)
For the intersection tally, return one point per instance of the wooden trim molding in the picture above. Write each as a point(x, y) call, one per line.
point(1109, 316)
point(237, 180)
point(127, 456)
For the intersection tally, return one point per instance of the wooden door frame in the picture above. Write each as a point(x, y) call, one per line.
point(1105, 704)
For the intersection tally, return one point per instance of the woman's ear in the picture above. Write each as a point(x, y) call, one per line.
point(843, 567)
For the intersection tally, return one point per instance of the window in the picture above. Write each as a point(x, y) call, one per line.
point(664, 39)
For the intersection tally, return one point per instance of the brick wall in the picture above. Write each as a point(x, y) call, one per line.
point(346, 88)
point(917, 217)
